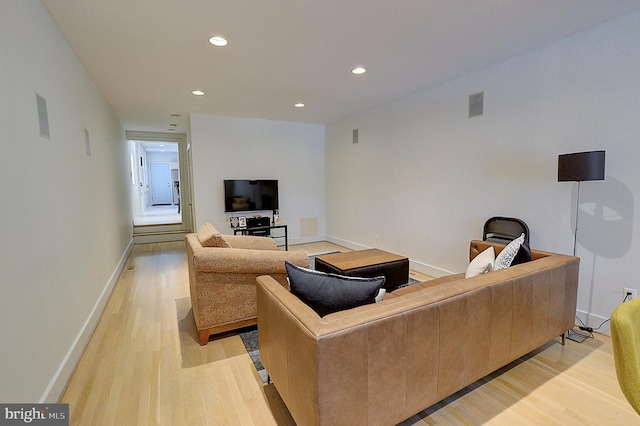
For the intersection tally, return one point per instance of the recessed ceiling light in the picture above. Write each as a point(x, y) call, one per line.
point(358, 70)
point(299, 105)
point(218, 41)
point(198, 92)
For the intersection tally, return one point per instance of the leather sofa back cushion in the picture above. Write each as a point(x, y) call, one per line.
point(209, 236)
point(327, 293)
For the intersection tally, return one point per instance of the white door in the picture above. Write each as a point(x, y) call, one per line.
point(160, 183)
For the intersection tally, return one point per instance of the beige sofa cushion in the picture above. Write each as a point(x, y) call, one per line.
point(209, 236)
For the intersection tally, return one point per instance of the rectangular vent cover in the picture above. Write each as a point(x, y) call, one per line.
point(87, 143)
point(476, 104)
point(43, 116)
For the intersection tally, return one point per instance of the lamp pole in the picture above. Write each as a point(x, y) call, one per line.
point(575, 232)
point(578, 167)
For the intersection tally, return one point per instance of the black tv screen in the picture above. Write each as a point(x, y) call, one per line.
point(250, 195)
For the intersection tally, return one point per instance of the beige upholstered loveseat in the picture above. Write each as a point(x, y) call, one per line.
point(381, 363)
point(222, 277)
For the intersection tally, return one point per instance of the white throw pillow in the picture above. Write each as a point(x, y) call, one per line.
point(481, 264)
point(504, 259)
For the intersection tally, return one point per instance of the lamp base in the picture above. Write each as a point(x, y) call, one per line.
point(575, 336)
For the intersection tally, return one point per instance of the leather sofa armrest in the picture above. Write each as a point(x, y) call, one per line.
point(289, 348)
point(286, 301)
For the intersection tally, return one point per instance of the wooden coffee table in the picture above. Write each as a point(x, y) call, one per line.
point(367, 264)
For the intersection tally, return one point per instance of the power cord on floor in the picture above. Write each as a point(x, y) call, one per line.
point(583, 327)
point(590, 330)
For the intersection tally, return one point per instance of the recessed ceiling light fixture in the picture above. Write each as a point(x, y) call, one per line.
point(218, 41)
point(299, 105)
point(358, 70)
point(198, 92)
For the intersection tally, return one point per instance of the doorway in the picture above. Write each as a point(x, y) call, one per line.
point(156, 183)
point(158, 177)
point(160, 184)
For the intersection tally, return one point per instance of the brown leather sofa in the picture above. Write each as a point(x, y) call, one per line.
point(222, 277)
point(379, 364)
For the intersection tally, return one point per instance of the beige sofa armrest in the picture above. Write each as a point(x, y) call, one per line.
point(251, 242)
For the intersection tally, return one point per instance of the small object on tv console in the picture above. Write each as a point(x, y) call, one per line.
point(234, 221)
point(253, 222)
point(276, 218)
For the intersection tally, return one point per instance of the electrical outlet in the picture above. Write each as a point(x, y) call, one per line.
point(629, 293)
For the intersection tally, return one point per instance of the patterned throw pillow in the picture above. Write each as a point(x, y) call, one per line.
point(506, 256)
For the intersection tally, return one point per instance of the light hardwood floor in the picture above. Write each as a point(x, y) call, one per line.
point(144, 366)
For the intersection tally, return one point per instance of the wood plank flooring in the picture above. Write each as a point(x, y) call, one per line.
point(144, 366)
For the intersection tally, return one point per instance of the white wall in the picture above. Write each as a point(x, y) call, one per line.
point(66, 216)
point(241, 148)
point(424, 177)
point(163, 157)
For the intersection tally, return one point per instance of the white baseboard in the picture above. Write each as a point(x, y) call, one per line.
point(303, 240)
point(58, 383)
point(346, 243)
point(430, 270)
point(423, 268)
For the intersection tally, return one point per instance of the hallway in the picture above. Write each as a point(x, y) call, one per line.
point(158, 215)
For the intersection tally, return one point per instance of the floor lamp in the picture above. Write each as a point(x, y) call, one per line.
point(579, 167)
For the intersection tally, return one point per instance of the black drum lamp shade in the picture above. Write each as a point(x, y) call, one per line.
point(581, 166)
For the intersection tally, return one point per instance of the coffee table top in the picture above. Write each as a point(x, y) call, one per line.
point(359, 258)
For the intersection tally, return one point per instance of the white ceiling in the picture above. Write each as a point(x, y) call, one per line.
point(146, 56)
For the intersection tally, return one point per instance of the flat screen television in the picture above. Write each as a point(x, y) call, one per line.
point(250, 195)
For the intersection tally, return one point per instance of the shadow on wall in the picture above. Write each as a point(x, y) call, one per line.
point(605, 221)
